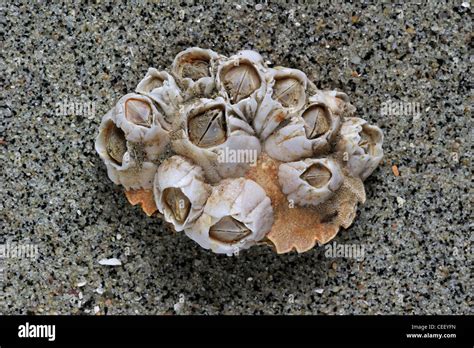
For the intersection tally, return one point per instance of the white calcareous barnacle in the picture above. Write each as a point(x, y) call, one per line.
point(180, 191)
point(241, 77)
point(310, 182)
point(237, 215)
point(361, 144)
point(285, 97)
point(321, 125)
point(289, 141)
point(195, 70)
point(162, 89)
point(289, 88)
point(310, 132)
point(222, 144)
point(236, 153)
point(130, 140)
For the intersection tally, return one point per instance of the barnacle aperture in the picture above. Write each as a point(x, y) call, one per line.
point(240, 81)
point(317, 121)
point(228, 230)
point(317, 175)
point(178, 203)
point(116, 144)
point(287, 91)
point(195, 69)
point(208, 128)
point(194, 65)
point(138, 112)
point(152, 83)
point(368, 140)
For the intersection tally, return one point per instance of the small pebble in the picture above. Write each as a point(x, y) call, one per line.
point(400, 202)
point(395, 170)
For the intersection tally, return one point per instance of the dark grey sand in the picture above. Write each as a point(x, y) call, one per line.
point(55, 194)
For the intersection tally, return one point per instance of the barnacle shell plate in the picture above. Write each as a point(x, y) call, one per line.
point(180, 191)
point(310, 182)
point(237, 214)
point(363, 143)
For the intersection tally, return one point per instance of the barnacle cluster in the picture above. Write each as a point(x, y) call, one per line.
point(234, 153)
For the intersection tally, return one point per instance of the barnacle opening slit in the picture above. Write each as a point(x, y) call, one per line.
point(241, 81)
point(288, 91)
point(228, 230)
point(116, 144)
point(317, 121)
point(177, 203)
point(195, 66)
point(208, 128)
point(138, 112)
point(317, 175)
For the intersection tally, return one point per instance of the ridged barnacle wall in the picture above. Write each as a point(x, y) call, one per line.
point(234, 153)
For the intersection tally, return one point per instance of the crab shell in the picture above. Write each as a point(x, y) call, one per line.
point(215, 159)
point(361, 161)
point(222, 147)
point(143, 137)
point(300, 191)
point(179, 173)
point(242, 200)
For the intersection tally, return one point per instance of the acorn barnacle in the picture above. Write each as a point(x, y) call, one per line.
point(233, 153)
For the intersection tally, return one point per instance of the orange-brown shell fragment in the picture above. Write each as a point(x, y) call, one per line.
point(144, 198)
point(297, 227)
